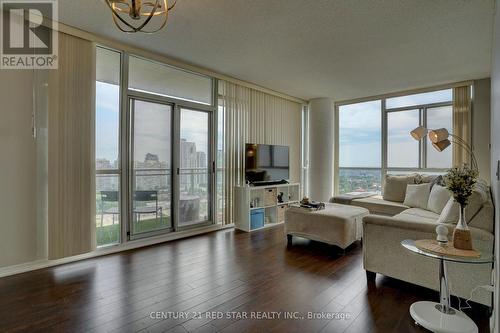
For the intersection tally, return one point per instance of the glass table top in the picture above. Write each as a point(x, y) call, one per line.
point(485, 258)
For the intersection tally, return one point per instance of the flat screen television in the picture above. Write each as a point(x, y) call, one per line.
point(266, 163)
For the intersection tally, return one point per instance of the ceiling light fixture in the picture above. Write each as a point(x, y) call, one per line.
point(140, 11)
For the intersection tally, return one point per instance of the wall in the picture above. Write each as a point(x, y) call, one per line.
point(18, 220)
point(495, 156)
point(321, 139)
point(480, 118)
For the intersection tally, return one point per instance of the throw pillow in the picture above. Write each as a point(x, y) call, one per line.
point(450, 212)
point(395, 187)
point(438, 198)
point(433, 179)
point(437, 181)
point(417, 196)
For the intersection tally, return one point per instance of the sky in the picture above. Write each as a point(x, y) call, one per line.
point(107, 120)
point(360, 132)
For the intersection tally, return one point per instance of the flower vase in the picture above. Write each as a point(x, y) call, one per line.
point(461, 235)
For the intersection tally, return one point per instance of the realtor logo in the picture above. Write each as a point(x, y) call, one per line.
point(29, 34)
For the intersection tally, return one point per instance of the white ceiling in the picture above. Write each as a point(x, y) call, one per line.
point(318, 48)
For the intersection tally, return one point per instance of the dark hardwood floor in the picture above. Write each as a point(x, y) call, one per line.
point(226, 273)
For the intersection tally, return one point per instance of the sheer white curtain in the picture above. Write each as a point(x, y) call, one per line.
point(252, 116)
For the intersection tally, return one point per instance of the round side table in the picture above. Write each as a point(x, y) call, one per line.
point(441, 317)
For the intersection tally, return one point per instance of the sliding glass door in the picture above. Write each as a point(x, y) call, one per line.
point(160, 202)
point(151, 167)
point(194, 167)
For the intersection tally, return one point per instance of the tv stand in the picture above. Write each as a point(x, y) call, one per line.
point(269, 182)
point(258, 207)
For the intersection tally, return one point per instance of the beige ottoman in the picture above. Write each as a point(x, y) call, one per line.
point(337, 224)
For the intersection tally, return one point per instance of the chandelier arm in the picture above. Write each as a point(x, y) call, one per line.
point(151, 14)
point(173, 5)
point(117, 24)
point(162, 25)
point(116, 16)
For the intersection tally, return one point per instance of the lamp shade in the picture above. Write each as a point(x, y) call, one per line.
point(419, 133)
point(441, 145)
point(438, 135)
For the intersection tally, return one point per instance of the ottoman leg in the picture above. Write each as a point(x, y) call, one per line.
point(289, 240)
point(339, 251)
point(370, 276)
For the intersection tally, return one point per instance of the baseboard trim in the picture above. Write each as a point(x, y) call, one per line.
point(130, 245)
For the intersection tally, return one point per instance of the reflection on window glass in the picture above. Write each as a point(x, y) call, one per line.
point(438, 96)
point(360, 135)
point(402, 149)
point(152, 183)
point(194, 168)
point(440, 117)
point(156, 78)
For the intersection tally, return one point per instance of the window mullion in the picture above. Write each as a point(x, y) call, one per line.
point(124, 150)
point(384, 133)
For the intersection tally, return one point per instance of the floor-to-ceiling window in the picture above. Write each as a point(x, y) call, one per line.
point(373, 139)
point(107, 149)
point(360, 147)
point(155, 138)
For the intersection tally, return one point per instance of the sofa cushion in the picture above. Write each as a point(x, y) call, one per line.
point(418, 215)
point(417, 196)
point(395, 187)
point(477, 199)
point(377, 205)
point(432, 179)
point(438, 198)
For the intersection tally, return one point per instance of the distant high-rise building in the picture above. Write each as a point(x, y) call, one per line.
point(151, 158)
point(201, 162)
point(201, 159)
point(102, 163)
point(188, 154)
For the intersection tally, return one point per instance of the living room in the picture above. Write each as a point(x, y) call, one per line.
point(265, 166)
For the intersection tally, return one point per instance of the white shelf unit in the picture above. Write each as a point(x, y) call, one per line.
point(252, 198)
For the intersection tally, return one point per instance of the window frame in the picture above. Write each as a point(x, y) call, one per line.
point(423, 144)
point(125, 169)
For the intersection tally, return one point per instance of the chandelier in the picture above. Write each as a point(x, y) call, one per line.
point(134, 15)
